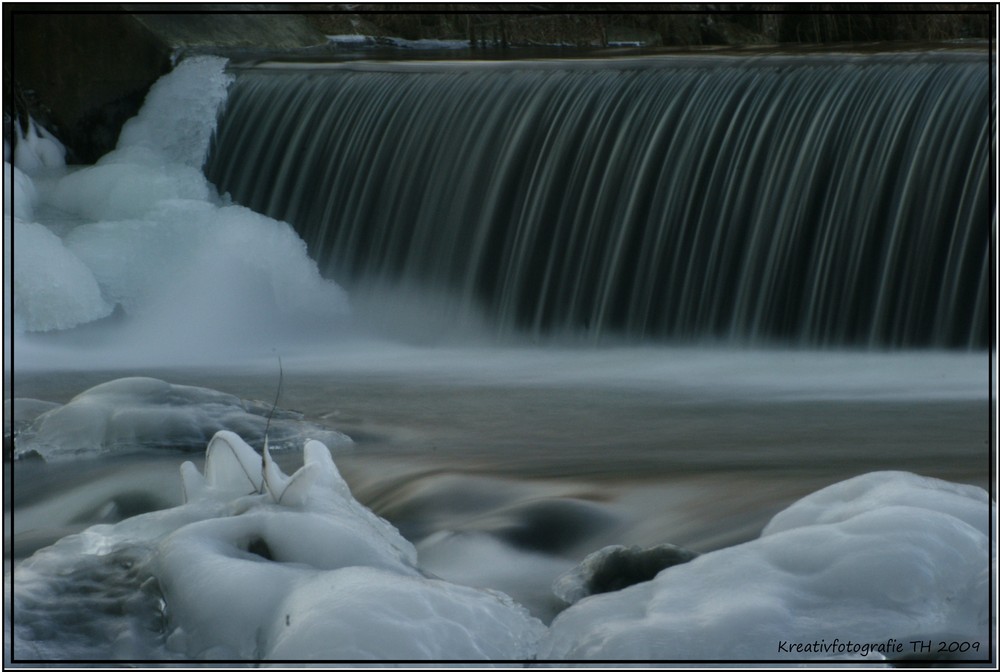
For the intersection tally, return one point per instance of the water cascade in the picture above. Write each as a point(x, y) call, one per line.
point(832, 201)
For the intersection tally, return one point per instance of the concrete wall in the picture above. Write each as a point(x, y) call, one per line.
point(83, 74)
point(84, 70)
point(257, 31)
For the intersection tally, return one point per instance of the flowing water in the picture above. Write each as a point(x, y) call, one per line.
point(835, 200)
point(591, 302)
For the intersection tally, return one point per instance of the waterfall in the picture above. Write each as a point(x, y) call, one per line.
point(829, 201)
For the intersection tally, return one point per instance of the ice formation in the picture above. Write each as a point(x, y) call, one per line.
point(126, 185)
point(37, 150)
point(242, 571)
point(145, 231)
point(362, 613)
point(19, 194)
point(178, 116)
point(130, 414)
point(847, 499)
point(53, 289)
point(884, 556)
point(259, 565)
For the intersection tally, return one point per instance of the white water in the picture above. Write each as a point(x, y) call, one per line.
point(203, 282)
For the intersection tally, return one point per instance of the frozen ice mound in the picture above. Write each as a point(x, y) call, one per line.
point(878, 557)
point(53, 289)
point(189, 258)
point(19, 194)
point(255, 565)
point(880, 489)
point(362, 613)
point(131, 414)
point(114, 189)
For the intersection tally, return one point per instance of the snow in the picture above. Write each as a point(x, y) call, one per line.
point(428, 43)
point(872, 567)
point(353, 40)
point(131, 414)
point(357, 41)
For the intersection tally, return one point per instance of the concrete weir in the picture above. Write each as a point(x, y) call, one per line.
point(85, 73)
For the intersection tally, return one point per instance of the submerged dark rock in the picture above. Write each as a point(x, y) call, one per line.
point(616, 567)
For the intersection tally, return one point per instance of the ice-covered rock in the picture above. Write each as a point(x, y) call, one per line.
point(248, 563)
point(131, 414)
point(239, 572)
point(885, 556)
point(160, 152)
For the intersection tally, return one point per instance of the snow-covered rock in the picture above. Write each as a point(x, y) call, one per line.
point(884, 556)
